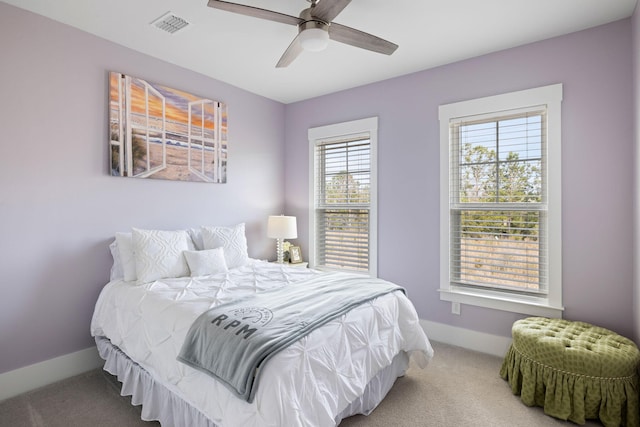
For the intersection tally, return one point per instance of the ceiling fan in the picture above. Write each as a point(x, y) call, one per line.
point(315, 28)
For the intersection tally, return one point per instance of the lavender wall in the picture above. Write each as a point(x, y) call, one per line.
point(59, 208)
point(596, 69)
point(635, 56)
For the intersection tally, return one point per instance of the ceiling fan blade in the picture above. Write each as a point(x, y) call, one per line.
point(256, 12)
point(327, 10)
point(357, 38)
point(292, 52)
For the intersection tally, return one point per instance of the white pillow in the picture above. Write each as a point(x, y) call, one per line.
point(208, 261)
point(116, 267)
point(196, 236)
point(158, 254)
point(125, 248)
point(232, 240)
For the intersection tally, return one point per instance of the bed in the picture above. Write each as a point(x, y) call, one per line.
point(162, 281)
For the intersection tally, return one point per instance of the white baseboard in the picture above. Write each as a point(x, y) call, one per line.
point(34, 376)
point(461, 337)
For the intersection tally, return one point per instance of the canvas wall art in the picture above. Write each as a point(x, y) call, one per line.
point(164, 133)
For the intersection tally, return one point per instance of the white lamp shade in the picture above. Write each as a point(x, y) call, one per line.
point(314, 39)
point(282, 227)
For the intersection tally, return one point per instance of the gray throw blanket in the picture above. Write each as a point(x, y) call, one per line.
point(232, 341)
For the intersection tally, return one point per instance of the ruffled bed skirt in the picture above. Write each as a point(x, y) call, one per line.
point(160, 404)
point(572, 397)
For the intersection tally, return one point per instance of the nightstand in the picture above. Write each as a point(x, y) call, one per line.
point(288, 264)
point(299, 264)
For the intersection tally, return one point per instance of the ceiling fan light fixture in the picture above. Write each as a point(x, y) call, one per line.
point(314, 38)
point(313, 25)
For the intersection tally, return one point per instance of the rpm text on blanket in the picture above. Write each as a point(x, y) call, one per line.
point(242, 319)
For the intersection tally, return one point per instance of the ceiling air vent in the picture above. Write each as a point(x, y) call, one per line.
point(170, 22)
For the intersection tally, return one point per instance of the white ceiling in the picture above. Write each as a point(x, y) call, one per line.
point(243, 51)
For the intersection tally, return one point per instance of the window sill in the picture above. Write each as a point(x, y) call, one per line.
point(522, 304)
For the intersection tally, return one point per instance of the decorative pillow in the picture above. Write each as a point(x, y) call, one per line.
point(232, 240)
point(116, 267)
point(125, 249)
point(158, 254)
point(208, 261)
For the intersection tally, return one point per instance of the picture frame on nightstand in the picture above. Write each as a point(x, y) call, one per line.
point(295, 255)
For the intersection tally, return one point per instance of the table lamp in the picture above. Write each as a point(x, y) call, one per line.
point(281, 227)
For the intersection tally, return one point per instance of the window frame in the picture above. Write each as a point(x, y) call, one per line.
point(549, 305)
point(368, 128)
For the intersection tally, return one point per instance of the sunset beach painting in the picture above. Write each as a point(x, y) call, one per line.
point(164, 133)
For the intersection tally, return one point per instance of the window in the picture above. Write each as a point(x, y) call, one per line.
point(500, 202)
point(343, 221)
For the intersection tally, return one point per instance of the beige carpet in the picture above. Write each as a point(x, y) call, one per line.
point(458, 388)
point(88, 400)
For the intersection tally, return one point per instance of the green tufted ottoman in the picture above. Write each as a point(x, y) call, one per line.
point(574, 370)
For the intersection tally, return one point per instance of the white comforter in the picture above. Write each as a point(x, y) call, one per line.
point(306, 384)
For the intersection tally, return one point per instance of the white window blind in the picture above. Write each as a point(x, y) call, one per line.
point(343, 196)
point(498, 201)
point(501, 201)
point(342, 203)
